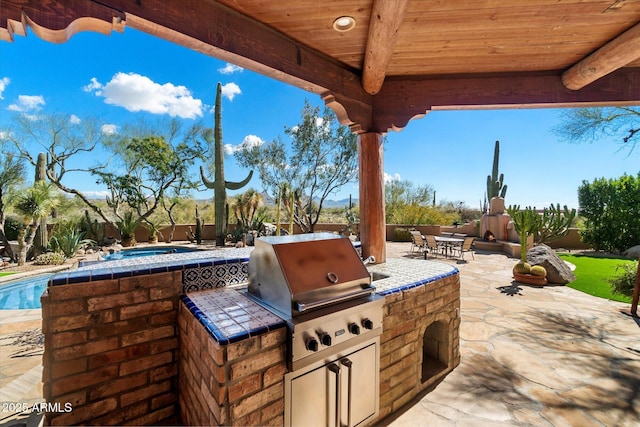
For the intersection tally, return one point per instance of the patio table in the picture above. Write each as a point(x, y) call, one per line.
point(449, 242)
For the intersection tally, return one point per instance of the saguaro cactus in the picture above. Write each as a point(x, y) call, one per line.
point(494, 183)
point(219, 185)
point(199, 226)
point(41, 239)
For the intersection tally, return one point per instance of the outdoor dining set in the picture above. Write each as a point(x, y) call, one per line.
point(449, 245)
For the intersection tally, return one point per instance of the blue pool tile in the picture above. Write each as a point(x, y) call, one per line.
point(102, 274)
point(158, 269)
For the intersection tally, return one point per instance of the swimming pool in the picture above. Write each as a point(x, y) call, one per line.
point(25, 293)
point(150, 251)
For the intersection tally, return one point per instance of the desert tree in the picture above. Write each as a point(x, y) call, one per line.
point(321, 158)
point(12, 173)
point(580, 125)
point(137, 164)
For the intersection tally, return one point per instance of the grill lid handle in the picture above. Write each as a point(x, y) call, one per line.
point(332, 277)
point(303, 306)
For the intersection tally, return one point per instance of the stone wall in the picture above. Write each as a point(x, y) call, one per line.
point(236, 384)
point(111, 350)
point(407, 315)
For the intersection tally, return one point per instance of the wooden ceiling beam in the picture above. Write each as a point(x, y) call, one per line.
point(386, 17)
point(402, 99)
point(614, 55)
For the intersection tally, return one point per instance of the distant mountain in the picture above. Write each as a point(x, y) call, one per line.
point(328, 203)
point(339, 203)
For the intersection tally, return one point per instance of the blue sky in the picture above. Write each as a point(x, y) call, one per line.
point(125, 76)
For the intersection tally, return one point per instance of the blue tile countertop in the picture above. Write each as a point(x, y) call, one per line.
point(230, 316)
point(408, 273)
point(139, 266)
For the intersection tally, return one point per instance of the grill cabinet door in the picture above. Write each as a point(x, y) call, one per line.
point(339, 394)
point(359, 386)
point(310, 398)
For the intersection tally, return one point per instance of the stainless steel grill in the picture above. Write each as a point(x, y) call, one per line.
point(295, 274)
point(319, 285)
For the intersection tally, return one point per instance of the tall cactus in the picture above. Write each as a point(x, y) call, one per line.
point(41, 239)
point(494, 183)
point(219, 185)
point(199, 226)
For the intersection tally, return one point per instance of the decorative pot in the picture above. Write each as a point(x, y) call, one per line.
point(530, 279)
point(128, 241)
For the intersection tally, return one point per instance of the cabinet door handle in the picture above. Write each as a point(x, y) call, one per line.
point(335, 368)
point(346, 362)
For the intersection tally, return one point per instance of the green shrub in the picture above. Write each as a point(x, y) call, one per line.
point(610, 210)
point(401, 234)
point(624, 283)
point(50, 258)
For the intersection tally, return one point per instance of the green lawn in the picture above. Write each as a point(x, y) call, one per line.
point(592, 274)
point(5, 274)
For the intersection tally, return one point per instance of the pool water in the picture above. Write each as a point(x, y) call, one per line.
point(23, 293)
point(139, 252)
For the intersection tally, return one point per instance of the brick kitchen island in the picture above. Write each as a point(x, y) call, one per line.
point(174, 337)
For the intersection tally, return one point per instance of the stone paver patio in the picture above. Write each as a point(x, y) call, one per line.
point(535, 356)
point(531, 356)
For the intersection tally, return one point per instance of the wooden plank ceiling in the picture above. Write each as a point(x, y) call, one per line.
point(402, 58)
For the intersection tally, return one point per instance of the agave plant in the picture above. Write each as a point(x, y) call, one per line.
point(69, 241)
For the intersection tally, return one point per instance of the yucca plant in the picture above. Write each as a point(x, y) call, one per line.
point(127, 228)
point(33, 204)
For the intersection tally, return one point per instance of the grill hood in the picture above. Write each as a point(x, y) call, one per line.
point(303, 272)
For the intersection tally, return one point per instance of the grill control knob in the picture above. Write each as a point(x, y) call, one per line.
point(312, 344)
point(367, 323)
point(325, 339)
point(354, 329)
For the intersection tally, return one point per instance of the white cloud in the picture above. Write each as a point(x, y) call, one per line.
point(230, 90)
point(248, 142)
point(93, 86)
point(4, 135)
point(27, 104)
point(109, 129)
point(4, 82)
point(390, 178)
point(75, 119)
point(230, 69)
point(139, 93)
point(100, 194)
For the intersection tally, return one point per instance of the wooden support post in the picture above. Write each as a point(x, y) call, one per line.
point(636, 293)
point(372, 214)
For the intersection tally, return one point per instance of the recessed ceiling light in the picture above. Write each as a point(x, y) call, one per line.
point(344, 23)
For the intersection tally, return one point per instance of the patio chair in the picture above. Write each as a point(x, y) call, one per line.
point(433, 246)
point(467, 246)
point(417, 241)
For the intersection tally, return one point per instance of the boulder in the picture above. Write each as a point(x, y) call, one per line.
point(633, 252)
point(558, 271)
